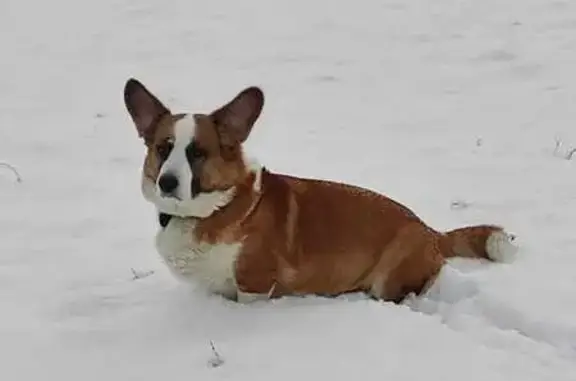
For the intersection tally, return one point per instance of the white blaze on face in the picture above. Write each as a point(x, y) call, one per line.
point(177, 163)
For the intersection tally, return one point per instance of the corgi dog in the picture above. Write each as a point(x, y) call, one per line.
point(246, 233)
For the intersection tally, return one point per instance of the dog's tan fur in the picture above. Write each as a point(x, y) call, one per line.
point(304, 236)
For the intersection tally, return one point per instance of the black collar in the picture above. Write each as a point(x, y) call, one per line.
point(164, 219)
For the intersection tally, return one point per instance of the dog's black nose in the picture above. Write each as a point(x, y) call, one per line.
point(168, 182)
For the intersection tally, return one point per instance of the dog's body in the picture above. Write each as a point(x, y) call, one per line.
point(247, 233)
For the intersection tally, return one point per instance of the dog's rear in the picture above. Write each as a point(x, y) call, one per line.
point(424, 253)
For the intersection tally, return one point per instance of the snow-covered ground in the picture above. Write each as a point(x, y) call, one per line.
point(465, 110)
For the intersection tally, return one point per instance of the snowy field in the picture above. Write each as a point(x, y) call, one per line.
point(464, 110)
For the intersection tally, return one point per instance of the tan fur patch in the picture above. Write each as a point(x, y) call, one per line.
point(164, 130)
point(319, 237)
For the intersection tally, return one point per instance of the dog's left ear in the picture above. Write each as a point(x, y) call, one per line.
point(235, 120)
point(144, 108)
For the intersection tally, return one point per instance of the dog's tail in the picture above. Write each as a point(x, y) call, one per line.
point(480, 241)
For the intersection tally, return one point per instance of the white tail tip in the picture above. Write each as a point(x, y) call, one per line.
point(500, 247)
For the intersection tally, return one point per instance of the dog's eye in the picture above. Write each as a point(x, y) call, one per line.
point(194, 152)
point(163, 149)
point(198, 153)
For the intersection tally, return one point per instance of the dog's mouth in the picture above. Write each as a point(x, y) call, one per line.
point(170, 196)
point(201, 206)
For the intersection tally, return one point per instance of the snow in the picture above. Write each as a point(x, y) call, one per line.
point(461, 109)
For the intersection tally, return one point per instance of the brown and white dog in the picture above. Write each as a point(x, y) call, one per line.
point(246, 233)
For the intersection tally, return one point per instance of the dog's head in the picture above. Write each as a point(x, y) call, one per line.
point(194, 161)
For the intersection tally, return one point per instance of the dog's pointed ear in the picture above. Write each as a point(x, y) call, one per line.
point(144, 108)
point(235, 120)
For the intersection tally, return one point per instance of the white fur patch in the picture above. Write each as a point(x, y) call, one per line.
point(500, 248)
point(255, 167)
point(248, 297)
point(377, 288)
point(210, 266)
point(177, 162)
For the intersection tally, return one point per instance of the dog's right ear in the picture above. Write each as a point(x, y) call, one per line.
point(144, 108)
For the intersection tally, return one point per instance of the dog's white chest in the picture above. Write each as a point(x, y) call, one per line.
point(211, 266)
